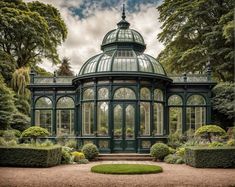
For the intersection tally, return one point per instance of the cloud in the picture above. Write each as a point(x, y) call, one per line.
point(85, 35)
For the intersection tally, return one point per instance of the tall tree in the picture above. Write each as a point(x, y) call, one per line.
point(30, 31)
point(65, 68)
point(195, 31)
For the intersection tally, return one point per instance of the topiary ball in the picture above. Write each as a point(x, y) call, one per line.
point(90, 151)
point(159, 151)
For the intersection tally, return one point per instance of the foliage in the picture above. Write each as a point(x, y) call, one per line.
point(35, 132)
point(46, 143)
point(126, 169)
point(223, 103)
point(195, 31)
point(175, 139)
point(90, 151)
point(16, 133)
point(42, 72)
point(66, 157)
point(78, 156)
point(171, 150)
point(159, 151)
point(231, 142)
point(214, 157)
point(22, 103)
point(30, 31)
point(181, 151)
point(7, 107)
point(208, 130)
point(173, 159)
point(83, 161)
point(65, 68)
point(71, 143)
point(30, 156)
point(20, 121)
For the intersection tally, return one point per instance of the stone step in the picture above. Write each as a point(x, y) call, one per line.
point(125, 156)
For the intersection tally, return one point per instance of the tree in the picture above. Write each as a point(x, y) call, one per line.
point(35, 132)
point(195, 31)
point(7, 107)
point(223, 103)
point(30, 31)
point(65, 68)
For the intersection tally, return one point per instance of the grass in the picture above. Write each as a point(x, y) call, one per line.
point(126, 169)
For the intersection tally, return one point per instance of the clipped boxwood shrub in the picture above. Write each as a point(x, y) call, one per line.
point(159, 151)
point(210, 157)
point(30, 156)
point(90, 151)
point(173, 159)
point(35, 132)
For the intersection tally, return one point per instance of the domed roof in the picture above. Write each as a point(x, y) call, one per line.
point(122, 52)
point(122, 61)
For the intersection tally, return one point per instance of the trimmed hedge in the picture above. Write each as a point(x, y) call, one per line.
point(30, 156)
point(210, 157)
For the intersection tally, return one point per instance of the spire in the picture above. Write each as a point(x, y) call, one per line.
point(123, 23)
point(123, 12)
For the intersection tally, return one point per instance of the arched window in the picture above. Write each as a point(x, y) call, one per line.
point(158, 119)
point(102, 118)
point(175, 113)
point(124, 93)
point(145, 94)
point(196, 112)
point(158, 95)
point(88, 94)
point(103, 93)
point(117, 121)
point(65, 116)
point(88, 118)
point(43, 113)
point(145, 118)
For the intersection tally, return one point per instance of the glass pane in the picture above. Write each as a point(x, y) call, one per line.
point(138, 38)
point(144, 63)
point(87, 118)
point(43, 118)
point(88, 94)
point(102, 118)
point(65, 122)
point(117, 122)
point(91, 64)
point(156, 65)
point(43, 102)
point(158, 119)
point(125, 35)
point(124, 93)
point(145, 118)
point(65, 102)
point(103, 93)
point(175, 119)
point(105, 62)
point(158, 95)
point(145, 93)
point(130, 121)
point(196, 100)
point(175, 100)
point(111, 37)
point(196, 117)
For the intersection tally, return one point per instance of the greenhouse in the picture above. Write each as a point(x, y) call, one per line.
point(122, 100)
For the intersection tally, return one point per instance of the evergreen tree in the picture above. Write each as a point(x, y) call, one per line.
point(195, 31)
point(7, 106)
point(65, 68)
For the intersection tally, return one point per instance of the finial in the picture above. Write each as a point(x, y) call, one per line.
point(123, 12)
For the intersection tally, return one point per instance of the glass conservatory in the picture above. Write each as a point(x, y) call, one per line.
point(122, 100)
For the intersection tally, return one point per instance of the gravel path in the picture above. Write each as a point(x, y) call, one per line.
point(80, 175)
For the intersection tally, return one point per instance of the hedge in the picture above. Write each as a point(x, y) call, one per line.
point(210, 157)
point(30, 156)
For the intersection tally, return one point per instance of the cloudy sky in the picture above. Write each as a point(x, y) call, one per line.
point(89, 20)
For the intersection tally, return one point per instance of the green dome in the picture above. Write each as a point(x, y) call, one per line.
point(122, 61)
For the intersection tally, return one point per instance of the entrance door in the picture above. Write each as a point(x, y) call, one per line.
point(124, 127)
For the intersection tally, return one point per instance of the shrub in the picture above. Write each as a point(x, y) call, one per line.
point(171, 150)
point(210, 157)
point(78, 156)
point(2, 142)
point(9, 135)
point(216, 144)
point(35, 132)
point(173, 159)
point(90, 151)
point(66, 157)
point(231, 142)
point(46, 143)
point(30, 156)
point(71, 143)
point(181, 151)
point(159, 150)
point(20, 122)
point(175, 139)
point(209, 130)
point(11, 143)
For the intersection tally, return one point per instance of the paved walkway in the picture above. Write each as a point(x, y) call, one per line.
point(80, 175)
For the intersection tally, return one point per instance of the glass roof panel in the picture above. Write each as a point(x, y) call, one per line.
point(125, 35)
point(138, 37)
point(144, 63)
point(105, 62)
point(91, 65)
point(111, 37)
point(157, 67)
